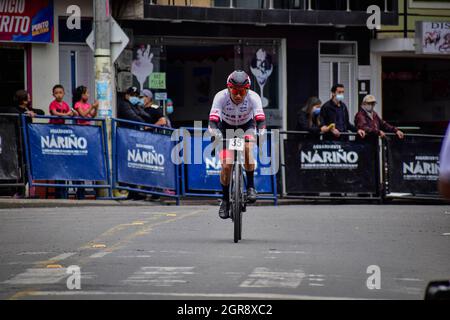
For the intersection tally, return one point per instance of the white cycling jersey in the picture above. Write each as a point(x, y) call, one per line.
point(224, 109)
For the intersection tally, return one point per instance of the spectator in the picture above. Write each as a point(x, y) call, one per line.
point(169, 111)
point(82, 106)
point(369, 121)
point(23, 104)
point(308, 118)
point(59, 107)
point(130, 107)
point(85, 110)
point(444, 170)
point(153, 110)
point(335, 112)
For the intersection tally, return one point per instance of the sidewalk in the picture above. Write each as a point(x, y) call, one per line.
point(8, 203)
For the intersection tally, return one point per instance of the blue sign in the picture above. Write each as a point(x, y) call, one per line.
point(206, 176)
point(144, 159)
point(66, 152)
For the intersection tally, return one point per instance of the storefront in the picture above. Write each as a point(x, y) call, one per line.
point(412, 78)
point(22, 22)
point(288, 64)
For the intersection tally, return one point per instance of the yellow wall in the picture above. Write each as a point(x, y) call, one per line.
point(441, 14)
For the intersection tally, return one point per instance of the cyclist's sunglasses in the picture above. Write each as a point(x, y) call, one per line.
point(238, 91)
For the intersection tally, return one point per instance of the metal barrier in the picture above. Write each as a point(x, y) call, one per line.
point(67, 152)
point(201, 175)
point(141, 156)
point(412, 166)
point(12, 166)
point(316, 168)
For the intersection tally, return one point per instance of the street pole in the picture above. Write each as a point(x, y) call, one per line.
point(103, 67)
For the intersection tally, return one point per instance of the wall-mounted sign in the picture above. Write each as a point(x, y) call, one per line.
point(432, 37)
point(26, 21)
point(158, 80)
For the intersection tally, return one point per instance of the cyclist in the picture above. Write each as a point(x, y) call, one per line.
point(237, 107)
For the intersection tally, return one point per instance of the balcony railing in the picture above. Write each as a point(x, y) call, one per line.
point(309, 5)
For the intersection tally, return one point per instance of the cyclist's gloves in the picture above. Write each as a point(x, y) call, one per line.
point(261, 125)
point(213, 129)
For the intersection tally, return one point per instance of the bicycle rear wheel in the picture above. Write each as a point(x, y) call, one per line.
point(236, 202)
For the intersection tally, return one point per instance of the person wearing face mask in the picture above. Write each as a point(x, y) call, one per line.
point(335, 112)
point(153, 110)
point(308, 118)
point(132, 107)
point(369, 121)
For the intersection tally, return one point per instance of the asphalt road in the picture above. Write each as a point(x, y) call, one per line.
point(288, 252)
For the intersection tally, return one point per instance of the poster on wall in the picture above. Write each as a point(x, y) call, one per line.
point(26, 21)
point(145, 67)
point(433, 37)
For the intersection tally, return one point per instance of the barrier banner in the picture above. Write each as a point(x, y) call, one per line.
point(315, 166)
point(26, 21)
point(66, 152)
point(206, 175)
point(144, 159)
point(413, 164)
point(9, 157)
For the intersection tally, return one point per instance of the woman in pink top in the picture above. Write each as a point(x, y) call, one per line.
point(82, 106)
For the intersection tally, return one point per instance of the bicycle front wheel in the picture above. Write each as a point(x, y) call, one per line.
point(236, 201)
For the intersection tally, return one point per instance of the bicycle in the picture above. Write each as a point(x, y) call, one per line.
point(238, 197)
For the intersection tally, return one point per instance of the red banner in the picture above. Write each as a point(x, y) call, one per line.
point(26, 21)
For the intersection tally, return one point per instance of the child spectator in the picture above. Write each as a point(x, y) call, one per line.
point(85, 110)
point(82, 106)
point(58, 107)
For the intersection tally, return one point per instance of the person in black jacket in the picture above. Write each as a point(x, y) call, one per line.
point(308, 118)
point(335, 112)
point(131, 107)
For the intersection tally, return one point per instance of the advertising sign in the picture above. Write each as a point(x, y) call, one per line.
point(26, 21)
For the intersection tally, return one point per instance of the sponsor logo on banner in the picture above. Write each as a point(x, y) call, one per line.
point(64, 142)
point(328, 157)
point(424, 168)
point(213, 166)
point(26, 21)
point(145, 157)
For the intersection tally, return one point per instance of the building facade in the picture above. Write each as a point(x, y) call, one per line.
point(184, 49)
point(411, 67)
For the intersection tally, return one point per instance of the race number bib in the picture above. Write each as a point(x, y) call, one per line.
point(237, 144)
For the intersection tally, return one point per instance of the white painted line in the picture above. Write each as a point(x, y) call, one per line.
point(160, 276)
point(63, 256)
point(264, 278)
point(30, 253)
point(446, 234)
point(409, 279)
point(99, 254)
point(316, 285)
point(39, 276)
point(130, 295)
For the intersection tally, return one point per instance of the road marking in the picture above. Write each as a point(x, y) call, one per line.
point(316, 285)
point(120, 243)
point(446, 234)
point(99, 246)
point(31, 253)
point(38, 276)
point(99, 254)
point(160, 276)
point(129, 295)
point(264, 278)
point(62, 256)
point(409, 279)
